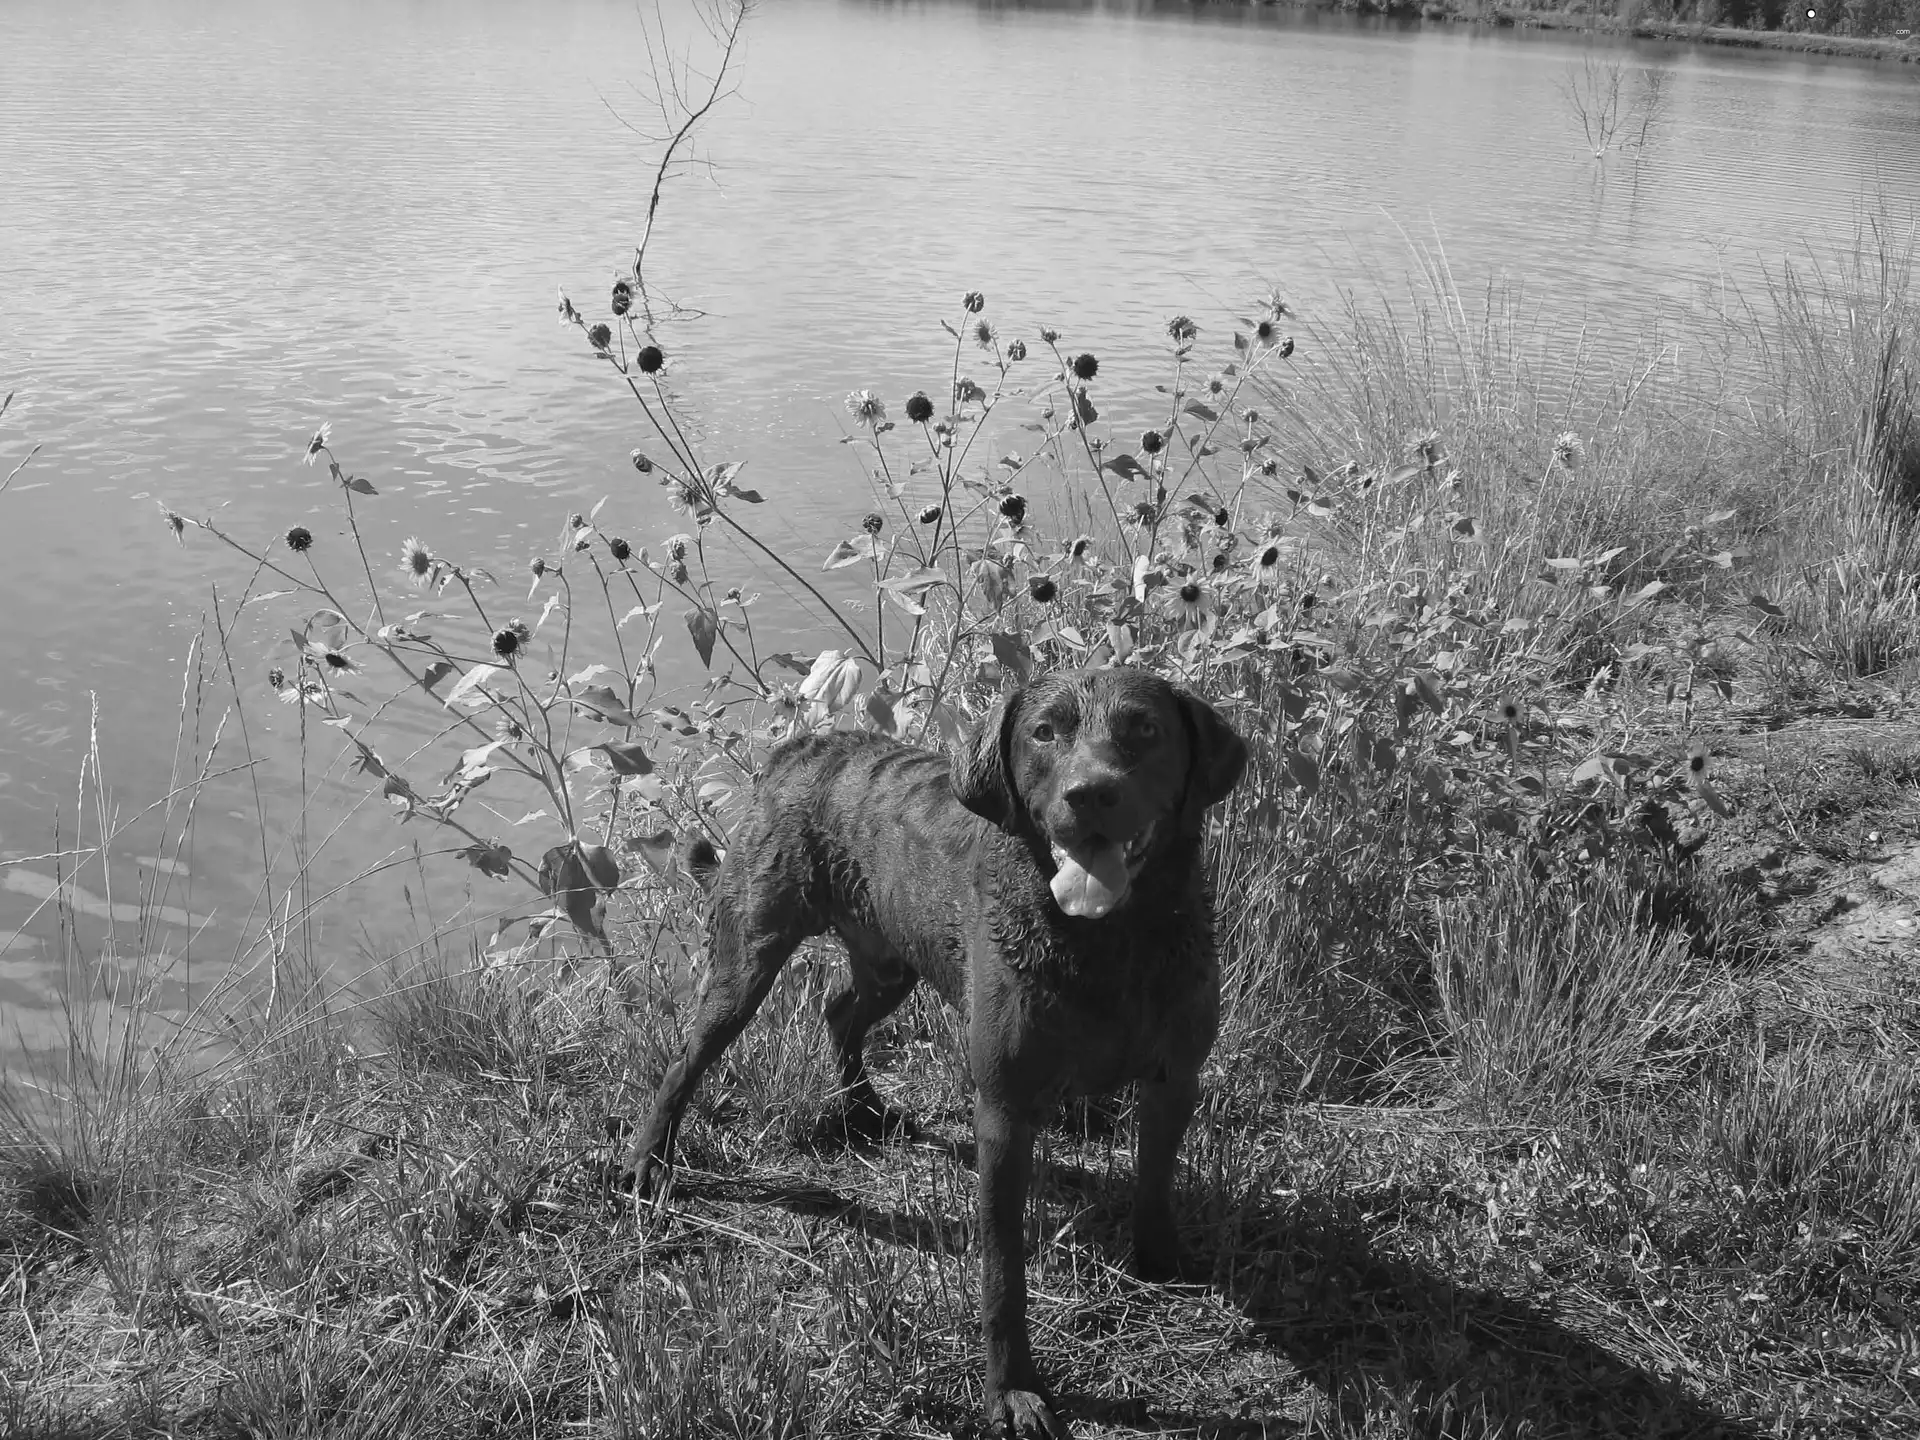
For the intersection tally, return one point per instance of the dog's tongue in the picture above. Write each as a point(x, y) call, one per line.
point(1090, 880)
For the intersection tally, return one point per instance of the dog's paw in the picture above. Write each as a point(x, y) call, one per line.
point(861, 1123)
point(1026, 1416)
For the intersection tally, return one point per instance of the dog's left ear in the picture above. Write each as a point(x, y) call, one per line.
point(982, 767)
point(1217, 756)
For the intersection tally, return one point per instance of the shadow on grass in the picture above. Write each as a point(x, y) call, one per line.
point(1386, 1339)
point(1376, 1331)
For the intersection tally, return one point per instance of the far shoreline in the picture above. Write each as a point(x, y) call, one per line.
point(1794, 42)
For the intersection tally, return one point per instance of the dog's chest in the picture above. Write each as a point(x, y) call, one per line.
point(1113, 1001)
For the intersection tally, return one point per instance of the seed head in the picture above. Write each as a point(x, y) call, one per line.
point(1048, 335)
point(676, 547)
point(928, 514)
point(650, 359)
point(600, 336)
point(622, 551)
point(510, 639)
point(1016, 350)
point(1085, 366)
point(874, 522)
point(1013, 509)
point(299, 539)
point(642, 463)
point(1180, 329)
point(622, 297)
point(1151, 442)
point(919, 408)
point(975, 302)
point(677, 572)
point(1042, 589)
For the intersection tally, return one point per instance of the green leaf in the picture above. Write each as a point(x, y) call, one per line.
point(494, 860)
point(704, 626)
point(361, 487)
point(627, 757)
point(1205, 412)
point(1125, 466)
point(599, 702)
point(471, 684)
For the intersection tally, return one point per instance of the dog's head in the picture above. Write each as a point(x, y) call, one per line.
point(1104, 767)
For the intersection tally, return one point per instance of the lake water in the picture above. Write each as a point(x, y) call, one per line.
point(222, 222)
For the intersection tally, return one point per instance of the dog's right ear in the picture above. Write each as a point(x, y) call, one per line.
point(982, 766)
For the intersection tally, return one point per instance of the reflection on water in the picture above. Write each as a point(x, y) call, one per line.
point(226, 222)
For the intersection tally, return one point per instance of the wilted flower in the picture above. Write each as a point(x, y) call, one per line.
point(1080, 551)
point(975, 302)
point(319, 441)
point(1267, 565)
point(983, 334)
point(1085, 366)
point(175, 523)
point(1252, 417)
point(622, 551)
point(1013, 509)
point(928, 514)
point(622, 297)
point(1266, 332)
point(649, 359)
point(1151, 442)
point(1222, 518)
point(1566, 448)
point(677, 546)
point(685, 497)
point(732, 595)
point(642, 463)
point(1042, 589)
point(1219, 562)
point(873, 522)
point(568, 315)
point(276, 677)
point(866, 407)
point(1270, 466)
point(1048, 335)
point(1308, 601)
point(919, 408)
point(510, 639)
point(1286, 348)
point(1180, 329)
point(416, 560)
point(1192, 602)
point(338, 662)
point(299, 538)
point(1016, 350)
point(600, 336)
point(1143, 514)
point(677, 572)
point(538, 566)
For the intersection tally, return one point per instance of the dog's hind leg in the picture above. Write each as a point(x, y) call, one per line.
point(745, 953)
point(881, 981)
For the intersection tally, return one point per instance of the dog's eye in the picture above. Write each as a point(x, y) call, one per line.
point(1146, 732)
point(1043, 732)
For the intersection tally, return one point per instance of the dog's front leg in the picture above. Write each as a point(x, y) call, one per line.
point(1165, 1108)
point(1016, 1401)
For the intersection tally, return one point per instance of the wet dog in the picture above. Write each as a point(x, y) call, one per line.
point(1046, 882)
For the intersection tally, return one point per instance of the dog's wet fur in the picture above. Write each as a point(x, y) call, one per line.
point(953, 872)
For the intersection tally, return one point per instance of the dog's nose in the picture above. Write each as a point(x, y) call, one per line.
point(1091, 795)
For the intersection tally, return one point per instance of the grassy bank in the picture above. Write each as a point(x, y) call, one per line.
point(1567, 915)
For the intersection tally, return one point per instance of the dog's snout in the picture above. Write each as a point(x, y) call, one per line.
point(1091, 796)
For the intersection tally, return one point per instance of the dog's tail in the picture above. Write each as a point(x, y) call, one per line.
point(701, 859)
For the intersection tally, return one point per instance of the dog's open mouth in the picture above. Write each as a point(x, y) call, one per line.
point(1093, 875)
